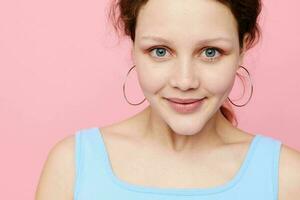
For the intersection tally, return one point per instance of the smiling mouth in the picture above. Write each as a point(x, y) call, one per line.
point(184, 101)
point(185, 108)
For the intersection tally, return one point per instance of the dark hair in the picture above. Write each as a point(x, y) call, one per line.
point(123, 14)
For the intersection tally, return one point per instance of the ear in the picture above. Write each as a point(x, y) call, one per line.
point(242, 51)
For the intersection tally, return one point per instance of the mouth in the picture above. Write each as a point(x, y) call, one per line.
point(184, 101)
point(185, 106)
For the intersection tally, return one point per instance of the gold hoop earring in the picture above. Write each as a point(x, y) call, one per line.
point(134, 104)
point(244, 90)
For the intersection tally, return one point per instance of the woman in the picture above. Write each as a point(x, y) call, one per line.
point(185, 144)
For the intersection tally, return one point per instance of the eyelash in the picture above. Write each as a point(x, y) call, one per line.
point(209, 59)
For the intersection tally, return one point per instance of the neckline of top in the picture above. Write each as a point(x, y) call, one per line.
point(177, 191)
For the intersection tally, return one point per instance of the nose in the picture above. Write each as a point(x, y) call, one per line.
point(184, 76)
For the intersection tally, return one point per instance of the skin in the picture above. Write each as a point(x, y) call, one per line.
point(182, 67)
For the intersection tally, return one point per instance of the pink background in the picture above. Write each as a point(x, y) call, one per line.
point(61, 70)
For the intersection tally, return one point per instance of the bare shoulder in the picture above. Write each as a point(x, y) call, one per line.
point(289, 174)
point(58, 174)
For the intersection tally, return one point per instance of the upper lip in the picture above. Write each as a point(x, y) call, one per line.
point(177, 100)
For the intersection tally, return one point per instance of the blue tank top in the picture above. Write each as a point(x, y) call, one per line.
point(256, 179)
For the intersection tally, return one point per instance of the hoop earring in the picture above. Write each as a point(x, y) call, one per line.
point(244, 90)
point(124, 93)
point(134, 104)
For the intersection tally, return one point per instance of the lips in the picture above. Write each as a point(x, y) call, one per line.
point(183, 101)
point(186, 108)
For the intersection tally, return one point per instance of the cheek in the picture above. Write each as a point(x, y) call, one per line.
point(219, 82)
point(151, 80)
point(149, 76)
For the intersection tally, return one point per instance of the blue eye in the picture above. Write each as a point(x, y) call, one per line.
point(159, 52)
point(211, 52)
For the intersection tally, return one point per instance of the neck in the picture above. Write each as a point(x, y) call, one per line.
point(209, 137)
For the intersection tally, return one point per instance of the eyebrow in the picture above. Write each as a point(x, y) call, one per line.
point(159, 39)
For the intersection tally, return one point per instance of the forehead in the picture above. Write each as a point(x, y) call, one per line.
point(186, 19)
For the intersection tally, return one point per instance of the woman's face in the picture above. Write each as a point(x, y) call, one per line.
point(175, 59)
